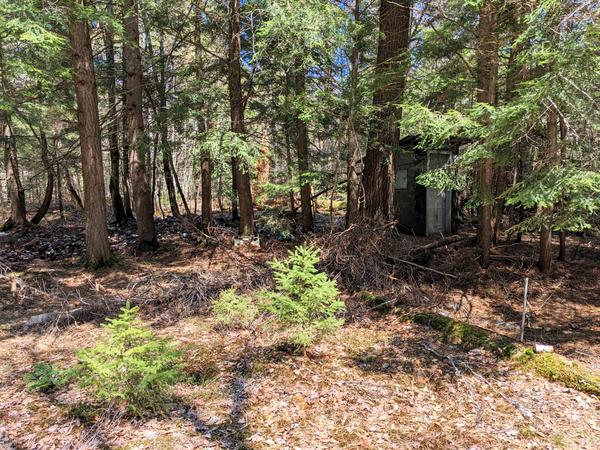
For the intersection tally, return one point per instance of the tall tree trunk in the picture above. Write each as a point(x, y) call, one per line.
point(96, 231)
point(289, 164)
point(41, 212)
point(302, 150)
point(205, 162)
point(235, 214)
point(392, 56)
point(354, 154)
point(138, 151)
point(113, 123)
point(487, 75)
point(206, 181)
point(164, 129)
point(125, 176)
point(240, 172)
point(545, 257)
point(14, 187)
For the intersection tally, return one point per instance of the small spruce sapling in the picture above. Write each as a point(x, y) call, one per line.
point(305, 300)
point(130, 367)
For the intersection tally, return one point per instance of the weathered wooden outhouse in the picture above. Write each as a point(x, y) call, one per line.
point(419, 209)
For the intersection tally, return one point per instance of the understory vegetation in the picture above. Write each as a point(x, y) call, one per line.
point(300, 224)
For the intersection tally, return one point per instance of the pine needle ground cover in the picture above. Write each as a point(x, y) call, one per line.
point(379, 382)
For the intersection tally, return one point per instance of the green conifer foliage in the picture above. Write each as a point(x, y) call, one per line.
point(305, 300)
point(131, 367)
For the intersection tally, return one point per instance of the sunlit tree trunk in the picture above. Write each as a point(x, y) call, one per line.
point(113, 122)
point(16, 192)
point(14, 187)
point(125, 174)
point(96, 232)
point(241, 173)
point(203, 124)
point(392, 56)
point(138, 149)
point(354, 154)
point(487, 76)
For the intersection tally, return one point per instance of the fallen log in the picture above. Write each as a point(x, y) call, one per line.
point(439, 243)
point(410, 263)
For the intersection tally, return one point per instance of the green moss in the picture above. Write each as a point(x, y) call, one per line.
point(561, 370)
point(459, 333)
point(375, 302)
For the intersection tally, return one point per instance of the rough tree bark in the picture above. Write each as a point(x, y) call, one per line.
point(125, 175)
point(14, 187)
point(545, 257)
point(41, 212)
point(96, 231)
point(203, 124)
point(15, 190)
point(354, 154)
point(392, 54)
point(113, 123)
point(241, 173)
point(487, 75)
point(138, 149)
point(302, 150)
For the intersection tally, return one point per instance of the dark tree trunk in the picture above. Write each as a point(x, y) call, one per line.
point(487, 75)
point(113, 123)
point(392, 57)
point(16, 192)
point(240, 172)
point(545, 259)
point(138, 151)
point(302, 150)
point(354, 154)
point(96, 231)
point(206, 180)
point(235, 215)
point(61, 207)
point(164, 130)
point(562, 251)
point(41, 212)
point(125, 176)
point(205, 163)
point(289, 164)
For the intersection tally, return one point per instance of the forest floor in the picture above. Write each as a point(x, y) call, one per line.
point(382, 382)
